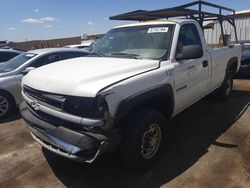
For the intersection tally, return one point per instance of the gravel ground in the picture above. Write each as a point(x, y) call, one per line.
point(208, 146)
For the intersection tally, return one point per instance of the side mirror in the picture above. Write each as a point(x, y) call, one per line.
point(27, 70)
point(190, 52)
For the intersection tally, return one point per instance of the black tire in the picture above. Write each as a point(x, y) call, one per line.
point(7, 104)
point(225, 91)
point(139, 127)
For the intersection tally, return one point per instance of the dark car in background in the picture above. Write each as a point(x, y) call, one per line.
point(245, 59)
point(7, 54)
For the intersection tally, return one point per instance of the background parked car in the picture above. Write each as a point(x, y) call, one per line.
point(83, 45)
point(7, 54)
point(92, 45)
point(11, 73)
point(245, 59)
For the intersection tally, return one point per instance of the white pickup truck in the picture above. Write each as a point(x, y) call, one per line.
point(122, 95)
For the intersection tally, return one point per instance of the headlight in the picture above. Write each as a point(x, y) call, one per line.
point(86, 106)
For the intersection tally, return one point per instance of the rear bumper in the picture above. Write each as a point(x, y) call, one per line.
point(73, 144)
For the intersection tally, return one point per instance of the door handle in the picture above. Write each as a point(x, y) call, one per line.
point(205, 63)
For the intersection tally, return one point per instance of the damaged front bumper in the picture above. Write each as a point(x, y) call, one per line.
point(78, 145)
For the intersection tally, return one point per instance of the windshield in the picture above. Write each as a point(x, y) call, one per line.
point(16, 62)
point(141, 42)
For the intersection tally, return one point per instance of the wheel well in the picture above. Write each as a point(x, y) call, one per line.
point(162, 103)
point(233, 65)
point(159, 98)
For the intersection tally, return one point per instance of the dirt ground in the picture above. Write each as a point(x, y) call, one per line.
point(208, 146)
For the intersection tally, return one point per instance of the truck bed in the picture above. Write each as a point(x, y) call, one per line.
point(220, 57)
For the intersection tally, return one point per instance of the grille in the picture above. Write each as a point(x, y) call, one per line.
point(45, 98)
point(54, 120)
point(51, 100)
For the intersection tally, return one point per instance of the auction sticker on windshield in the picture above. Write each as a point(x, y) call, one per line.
point(158, 30)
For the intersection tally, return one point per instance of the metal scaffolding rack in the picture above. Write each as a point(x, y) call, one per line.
point(188, 11)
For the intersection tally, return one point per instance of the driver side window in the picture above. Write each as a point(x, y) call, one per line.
point(188, 36)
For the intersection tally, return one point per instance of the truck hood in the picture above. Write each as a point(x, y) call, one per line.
point(85, 76)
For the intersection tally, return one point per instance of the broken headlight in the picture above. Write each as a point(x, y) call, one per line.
point(86, 106)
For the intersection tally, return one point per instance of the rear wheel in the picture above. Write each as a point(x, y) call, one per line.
point(142, 139)
point(7, 104)
point(225, 91)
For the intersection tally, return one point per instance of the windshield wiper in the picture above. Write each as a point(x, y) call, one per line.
point(97, 54)
point(134, 56)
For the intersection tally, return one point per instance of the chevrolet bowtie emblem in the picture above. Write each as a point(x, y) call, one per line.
point(35, 105)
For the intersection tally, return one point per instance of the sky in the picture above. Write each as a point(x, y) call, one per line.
point(22, 20)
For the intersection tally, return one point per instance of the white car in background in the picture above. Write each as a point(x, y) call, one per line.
point(12, 72)
point(84, 44)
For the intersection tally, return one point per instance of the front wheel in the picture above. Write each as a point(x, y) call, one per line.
point(142, 139)
point(6, 104)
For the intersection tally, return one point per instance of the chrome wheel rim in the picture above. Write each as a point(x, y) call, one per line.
point(151, 140)
point(229, 86)
point(4, 106)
